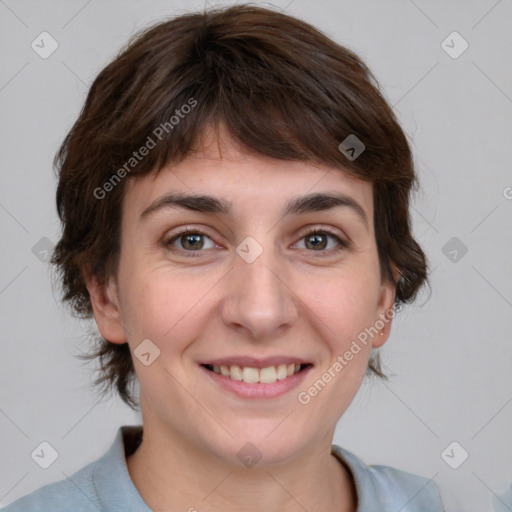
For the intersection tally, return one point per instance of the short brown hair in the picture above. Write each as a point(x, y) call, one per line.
point(280, 87)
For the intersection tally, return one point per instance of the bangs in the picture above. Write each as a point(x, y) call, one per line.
point(276, 94)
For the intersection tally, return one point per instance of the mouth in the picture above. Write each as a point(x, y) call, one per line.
point(261, 375)
point(257, 379)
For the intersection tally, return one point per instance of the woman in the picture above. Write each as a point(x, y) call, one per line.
point(234, 198)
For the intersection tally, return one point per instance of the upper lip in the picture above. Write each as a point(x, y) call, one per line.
point(253, 362)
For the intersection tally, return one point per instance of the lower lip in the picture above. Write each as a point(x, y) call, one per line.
point(257, 389)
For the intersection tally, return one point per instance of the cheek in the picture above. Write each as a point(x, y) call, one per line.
point(345, 305)
point(343, 309)
point(159, 306)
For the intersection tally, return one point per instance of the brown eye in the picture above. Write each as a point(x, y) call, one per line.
point(316, 241)
point(319, 241)
point(189, 241)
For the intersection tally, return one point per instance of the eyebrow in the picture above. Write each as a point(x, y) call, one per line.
point(314, 202)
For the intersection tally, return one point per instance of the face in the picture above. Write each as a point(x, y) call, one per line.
point(243, 282)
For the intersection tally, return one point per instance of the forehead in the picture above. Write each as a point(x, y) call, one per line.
point(244, 180)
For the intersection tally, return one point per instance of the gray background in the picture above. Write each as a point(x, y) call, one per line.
point(451, 353)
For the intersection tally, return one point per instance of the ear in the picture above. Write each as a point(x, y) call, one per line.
point(385, 310)
point(105, 306)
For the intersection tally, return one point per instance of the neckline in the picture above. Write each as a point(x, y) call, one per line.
point(336, 451)
point(130, 437)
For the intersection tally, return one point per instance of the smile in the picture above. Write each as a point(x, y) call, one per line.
point(267, 375)
point(248, 378)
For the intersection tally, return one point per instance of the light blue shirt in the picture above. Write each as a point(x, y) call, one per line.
point(105, 485)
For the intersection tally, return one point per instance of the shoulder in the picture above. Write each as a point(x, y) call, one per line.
point(75, 493)
point(414, 492)
point(388, 488)
point(104, 484)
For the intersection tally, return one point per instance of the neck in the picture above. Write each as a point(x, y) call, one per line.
point(172, 474)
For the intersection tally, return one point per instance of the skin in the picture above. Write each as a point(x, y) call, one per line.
point(289, 301)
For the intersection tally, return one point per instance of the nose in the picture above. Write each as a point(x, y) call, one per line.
point(259, 298)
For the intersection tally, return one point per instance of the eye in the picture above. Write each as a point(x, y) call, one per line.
point(192, 240)
point(317, 240)
point(189, 240)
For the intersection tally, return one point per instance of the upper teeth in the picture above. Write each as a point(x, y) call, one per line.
point(264, 375)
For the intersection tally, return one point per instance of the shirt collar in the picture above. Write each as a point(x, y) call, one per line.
point(366, 498)
point(117, 492)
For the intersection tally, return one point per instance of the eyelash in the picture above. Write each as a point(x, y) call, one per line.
point(343, 245)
